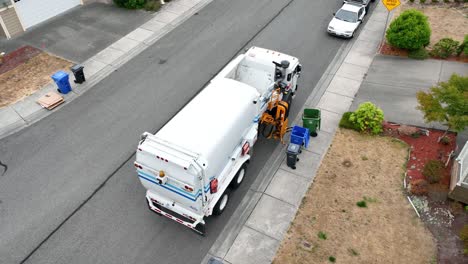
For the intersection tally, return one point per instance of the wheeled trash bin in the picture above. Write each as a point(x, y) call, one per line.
point(311, 119)
point(291, 155)
point(79, 73)
point(63, 84)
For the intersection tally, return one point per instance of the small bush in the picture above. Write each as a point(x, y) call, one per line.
point(346, 123)
point(444, 48)
point(446, 1)
point(419, 187)
point(362, 204)
point(433, 170)
point(332, 259)
point(463, 48)
point(153, 5)
point(368, 118)
point(419, 54)
point(322, 235)
point(445, 140)
point(130, 4)
point(422, 1)
point(434, 1)
point(412, 1)
point(409, 31)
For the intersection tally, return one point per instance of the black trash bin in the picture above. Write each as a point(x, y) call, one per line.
point(79, 73)
point(291, 155)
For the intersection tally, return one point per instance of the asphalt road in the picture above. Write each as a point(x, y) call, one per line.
point(71, 194)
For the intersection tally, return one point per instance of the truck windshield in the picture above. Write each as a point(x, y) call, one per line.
point(346, 15)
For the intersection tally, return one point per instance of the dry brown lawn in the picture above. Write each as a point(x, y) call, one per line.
point(387, 231)
point(446, 20)
point(29, 77)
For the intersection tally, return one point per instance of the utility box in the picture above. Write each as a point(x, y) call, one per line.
point(61, 79)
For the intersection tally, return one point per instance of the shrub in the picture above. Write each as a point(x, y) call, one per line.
point(419, 187)
point(153, 5)
point(445, 140)
point(444, 48)
point(362, 204)
point(409, 31)
point(446, 1)
point(422, 1)
point(412, 1)
point(332, 259)
point(368, 118)
point(346, 123)
point(322, 235)
point(463, 48)
point(433, 170)
point(434, 1)
point(130, 4)
point(419, 54)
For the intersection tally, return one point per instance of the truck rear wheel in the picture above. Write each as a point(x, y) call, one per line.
point(222, 203)
point(239, 178)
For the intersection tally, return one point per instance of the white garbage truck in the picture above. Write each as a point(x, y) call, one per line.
point(190, 166)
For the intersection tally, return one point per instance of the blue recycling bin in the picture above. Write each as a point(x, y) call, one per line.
point(300, 136)
point(61, 79)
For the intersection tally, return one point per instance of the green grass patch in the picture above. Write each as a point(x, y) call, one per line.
point(362, 204)
point(322, 235)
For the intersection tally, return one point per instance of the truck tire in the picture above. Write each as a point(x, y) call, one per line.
point(239, 178)
point(222, 203)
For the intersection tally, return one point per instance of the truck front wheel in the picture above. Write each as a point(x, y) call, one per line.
point(239, 178)
point(222, 203)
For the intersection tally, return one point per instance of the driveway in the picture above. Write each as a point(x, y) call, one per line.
point(392, 83)
point(80, 33)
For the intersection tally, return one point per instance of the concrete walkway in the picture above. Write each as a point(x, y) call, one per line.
point(255, 235)
point(26, 112)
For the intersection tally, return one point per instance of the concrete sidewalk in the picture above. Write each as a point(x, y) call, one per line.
point(26, 112)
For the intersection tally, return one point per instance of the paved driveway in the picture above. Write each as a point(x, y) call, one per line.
point(80, 33)
point(392, 83)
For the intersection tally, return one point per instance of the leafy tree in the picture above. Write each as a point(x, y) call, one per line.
point(446, 103)
point(409, 31)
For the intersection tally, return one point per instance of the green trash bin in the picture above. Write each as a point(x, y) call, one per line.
point(311, 120)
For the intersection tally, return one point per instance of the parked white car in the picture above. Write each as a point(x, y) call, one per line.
point(346, 20)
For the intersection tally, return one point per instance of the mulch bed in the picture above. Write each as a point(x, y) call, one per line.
point(387, 49)
point(17, 57)
point(443, 217)
point(423, 149)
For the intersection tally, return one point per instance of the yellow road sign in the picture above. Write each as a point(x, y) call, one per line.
point(391, 4)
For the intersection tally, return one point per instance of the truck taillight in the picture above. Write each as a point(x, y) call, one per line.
point(245, 148)
point(188, 188)
point(214, 186)
point(138, 166)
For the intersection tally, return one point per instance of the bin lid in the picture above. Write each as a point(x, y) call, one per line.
point(59, 75)
point(76, 67)
point(293, 148)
